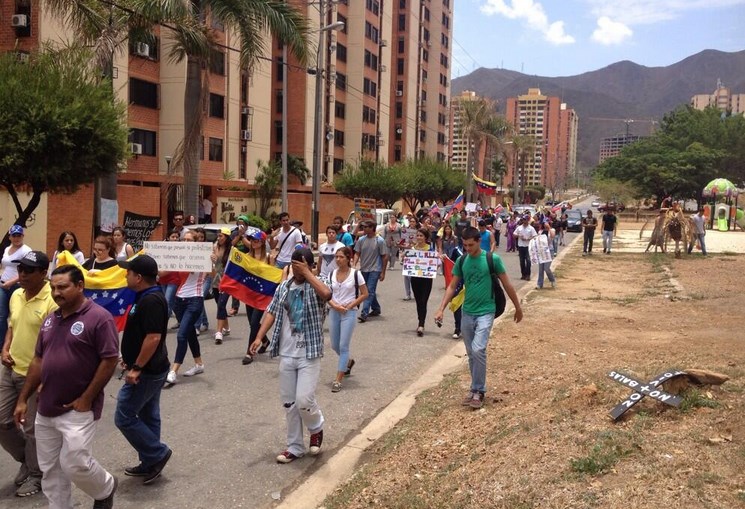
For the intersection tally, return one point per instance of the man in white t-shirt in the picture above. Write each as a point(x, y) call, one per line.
point(327, 253)
point(284, 240)
point(699, 224)
point(523, 234)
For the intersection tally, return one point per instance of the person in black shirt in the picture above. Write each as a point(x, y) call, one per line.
point(145, 359)
point(610, 222)
point(589, 224)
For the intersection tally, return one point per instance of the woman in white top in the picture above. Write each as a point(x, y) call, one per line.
point(123, 250)
point(9, 277)
point(346, 296)
point(67, 242)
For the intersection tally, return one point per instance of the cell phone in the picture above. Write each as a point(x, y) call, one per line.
point(438, 322)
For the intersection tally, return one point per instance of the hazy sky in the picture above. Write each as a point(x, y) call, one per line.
point(567, 37)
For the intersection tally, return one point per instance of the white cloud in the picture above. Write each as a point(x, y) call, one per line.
point(533, 14)
point(610, 32)
point(639, 12)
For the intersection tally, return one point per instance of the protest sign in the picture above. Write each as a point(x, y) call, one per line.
point(420, 263)
point(138, 228)
point(364, 208)
point(181, 256)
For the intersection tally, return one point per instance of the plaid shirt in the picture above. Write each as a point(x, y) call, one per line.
point(313, 306)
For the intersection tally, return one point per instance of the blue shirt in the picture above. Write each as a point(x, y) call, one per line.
point(486, 241)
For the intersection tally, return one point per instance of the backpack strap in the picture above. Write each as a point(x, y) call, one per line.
point(285, 240)
point(356, 284)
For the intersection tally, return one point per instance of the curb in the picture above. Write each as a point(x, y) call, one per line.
point(341, 466)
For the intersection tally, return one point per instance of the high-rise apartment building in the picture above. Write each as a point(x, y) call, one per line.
point(552, 127)
point(611, 146)
point(459, 145)
point(722, 98)
point(421, 53)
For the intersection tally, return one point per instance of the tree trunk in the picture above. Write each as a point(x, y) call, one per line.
point(193, 115)
point(23, 214)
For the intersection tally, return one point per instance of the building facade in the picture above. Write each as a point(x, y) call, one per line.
point(611, 146)
point(552, 127)
point(459, 146)
point(722, 98)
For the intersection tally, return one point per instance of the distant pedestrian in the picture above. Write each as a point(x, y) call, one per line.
point(283, 241)
point(67, 242)
point(297, 313)
point(523, 234)
point(372, 255)
point(540, 250)
point(421, 286)
point(478, 308)
point(699, 231)
point(610, 226)
point(589, 224)
point(512, 223)
point(75, 356)
point(392, 237)
point(9, 276)
point(145, 357)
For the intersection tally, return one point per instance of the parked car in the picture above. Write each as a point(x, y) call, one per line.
point(212, 229)
point(611, 205)
point(595, 204)
point(574, 220)
point(525, 209)
point(382, 216)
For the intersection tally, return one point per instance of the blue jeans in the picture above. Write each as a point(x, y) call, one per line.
point(545, 267)
point(170, 292)
point(206, 290)
point(187, 313)
point(138, 417)
point(555, 244)
point(607, 240)
point(371, 303)
point(341, 327)
point(407, 286)
point(475, 330)
point(5, 309)
point(700, 237)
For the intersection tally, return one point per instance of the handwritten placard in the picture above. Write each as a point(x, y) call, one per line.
point(420, 263)
point(364, 209)
point(181, 256)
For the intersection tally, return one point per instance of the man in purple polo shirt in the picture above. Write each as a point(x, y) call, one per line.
point(76, 355)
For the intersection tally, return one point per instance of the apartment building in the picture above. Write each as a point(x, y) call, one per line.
point(420, 79)
point(722, 98)
point(459, 146)
point(612, 146)
point(553, 126)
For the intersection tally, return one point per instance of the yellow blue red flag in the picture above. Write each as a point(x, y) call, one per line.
point(250, 280)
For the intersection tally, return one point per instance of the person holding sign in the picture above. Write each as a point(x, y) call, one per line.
point(479, 308)
point(421, 285)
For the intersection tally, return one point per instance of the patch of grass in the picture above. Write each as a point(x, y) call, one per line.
point(627, 300)
point(658, 261)
point(698, 481)
point(693, 398)
point(608, 450)
point(741, 495)
point(698, 296)
point(560, 393)
point(340, 496)
point(729, 253)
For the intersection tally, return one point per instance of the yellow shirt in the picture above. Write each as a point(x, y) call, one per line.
point(26, 317)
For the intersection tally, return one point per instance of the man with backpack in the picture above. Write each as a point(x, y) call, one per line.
point(481, 274)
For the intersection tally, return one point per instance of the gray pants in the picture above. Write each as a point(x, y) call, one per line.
point(21, 445)
point(298, 379)
point(607, 240)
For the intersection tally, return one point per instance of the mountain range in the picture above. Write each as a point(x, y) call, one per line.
point(624, 91)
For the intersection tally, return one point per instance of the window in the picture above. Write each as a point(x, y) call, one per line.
point(217, 62)
point(338, 165)
point(402, 22)
point(215, 149)
point(371, 32)
point(426, 14)
point(143, 93)
point(422, 135)
point(400, 66)
point(370, 87)
point(402, 4)
point(244, 88)
point(341, 81)
point(341, 52)
point(444, 40)
point(368, 115)
point(145, 138)
point(371, 60)
point(423, 115)
point(280, 69)
point(278, 131)
point(445, 20)
point(373, 6)
point(440, 138)
point(443, 61)
point(397, 153)
point(278, 98)
point(399, 132)
point(401, 44)
point(217, 106)
point(425, 55)
point(343, 19)
point(400, 87)
point(426, 35)
point(340, 109)
point(338, 138)
point(201, 148)
point(399, 109)
point(424, 75)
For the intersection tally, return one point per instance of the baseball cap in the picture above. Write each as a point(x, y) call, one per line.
point(225, 231)
point(257, 235)
point(243, 218)
point(16, 229)
point(35, 259)
point(141, 264)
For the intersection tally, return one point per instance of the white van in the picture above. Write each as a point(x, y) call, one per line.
point(382, 216)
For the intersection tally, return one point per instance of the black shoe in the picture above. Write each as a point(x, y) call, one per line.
point(263, 347)
point(247, 360)
point(362, 319)
point(374, 313)
point(350, 365)
point(156, 469)
point(108, 502)
point(138, 471)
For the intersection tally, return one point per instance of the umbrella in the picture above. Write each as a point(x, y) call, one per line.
point(720, 187)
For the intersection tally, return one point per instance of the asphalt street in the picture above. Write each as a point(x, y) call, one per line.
point(226, 426)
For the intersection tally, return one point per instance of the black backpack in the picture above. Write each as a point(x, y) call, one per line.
point(496, 288)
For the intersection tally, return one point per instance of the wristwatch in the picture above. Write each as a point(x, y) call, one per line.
point(135, 367)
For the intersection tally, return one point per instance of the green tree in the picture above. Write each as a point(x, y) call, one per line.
point(425, 181)
point(254, 22)
point(268, 180)
point(60, 126)
point(370, 179)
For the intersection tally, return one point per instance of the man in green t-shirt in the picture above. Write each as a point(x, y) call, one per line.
point(478, 308)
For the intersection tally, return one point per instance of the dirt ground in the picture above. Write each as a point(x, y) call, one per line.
point(545, 438)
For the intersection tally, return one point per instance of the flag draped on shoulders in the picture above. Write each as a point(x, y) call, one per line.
point(250, 280)
point(460, 295)
point(107, 288)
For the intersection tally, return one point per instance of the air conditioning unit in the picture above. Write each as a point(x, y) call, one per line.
point(383, 43)
point(142, 49)
point(399, 93)
point(246, 134)
point(423, 103)
point(135, 148)
point(383, 68)
point(381, 142)
point(19, 21)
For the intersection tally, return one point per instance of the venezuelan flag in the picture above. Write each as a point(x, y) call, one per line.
point(107, 288)
point(458, 202)
point(457, 302)
point(485, 187)
point(250, 280)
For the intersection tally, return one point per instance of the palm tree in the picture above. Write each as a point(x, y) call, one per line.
point(474, 116)
point(195, 41)
point(521, 144)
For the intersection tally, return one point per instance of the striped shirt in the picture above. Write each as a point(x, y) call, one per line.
point(313, 306)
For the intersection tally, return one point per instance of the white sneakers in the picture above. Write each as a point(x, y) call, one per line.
point(197, 369)
point(171, 378)
point(218, 338)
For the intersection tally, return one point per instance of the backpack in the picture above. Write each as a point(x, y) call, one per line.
point(497, 292)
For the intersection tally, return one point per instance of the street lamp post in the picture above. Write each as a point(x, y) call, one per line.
point(318, 127)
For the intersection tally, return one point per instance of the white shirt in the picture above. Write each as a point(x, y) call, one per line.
point(343, 293)
point(295, 237)
point(10, 269)
point(524, 234)
point(700, 222)
point(327, 255)
point(192, 285)
point(291, 345)
point(207, 206)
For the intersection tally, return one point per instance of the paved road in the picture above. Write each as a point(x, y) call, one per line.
point(226, 426)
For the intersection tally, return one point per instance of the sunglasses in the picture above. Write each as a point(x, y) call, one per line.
point(28, 270)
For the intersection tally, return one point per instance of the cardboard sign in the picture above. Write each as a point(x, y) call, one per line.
point(139, 228)
point(364, 208)
point(471, 207)
point(420, 263)
point(644, 389)
point(181, 256)
point(408, 236)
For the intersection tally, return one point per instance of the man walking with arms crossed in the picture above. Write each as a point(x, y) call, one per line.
point(76, 354)
point(478, 308)
point(29, 306)
point(145, 357)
